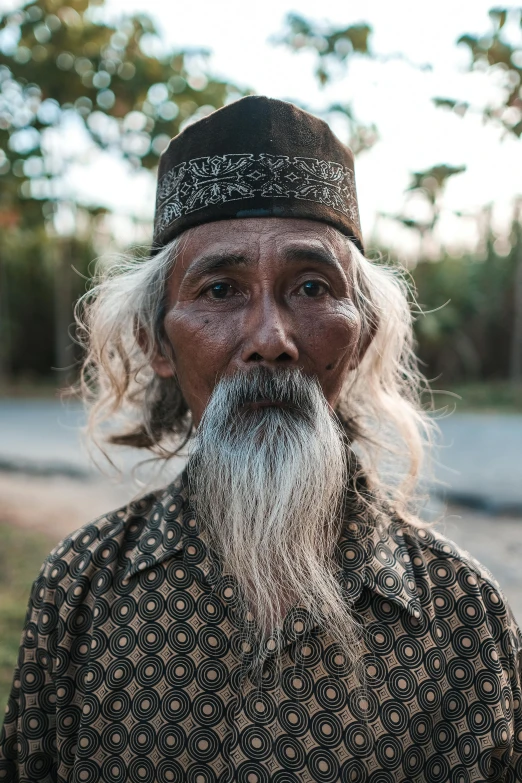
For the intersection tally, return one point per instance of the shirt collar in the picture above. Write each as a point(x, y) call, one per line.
point(389, 571)
point(373, 554)
point(159, 525)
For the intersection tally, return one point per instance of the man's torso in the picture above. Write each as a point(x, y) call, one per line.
point(134, 666)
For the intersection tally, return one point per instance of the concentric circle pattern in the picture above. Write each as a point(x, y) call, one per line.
point(136, 665)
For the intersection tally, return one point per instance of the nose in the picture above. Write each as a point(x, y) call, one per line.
point(268, 335)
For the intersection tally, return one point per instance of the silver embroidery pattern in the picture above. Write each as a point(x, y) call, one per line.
point(200, 182)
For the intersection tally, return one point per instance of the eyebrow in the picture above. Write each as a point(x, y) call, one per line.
point(306, 253)
point(213, 262)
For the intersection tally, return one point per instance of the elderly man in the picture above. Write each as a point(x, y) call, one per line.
point(276, 613)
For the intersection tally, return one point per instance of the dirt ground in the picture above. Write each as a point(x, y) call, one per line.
point(57, 506)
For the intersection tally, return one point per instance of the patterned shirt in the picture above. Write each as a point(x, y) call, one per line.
point(132, 665)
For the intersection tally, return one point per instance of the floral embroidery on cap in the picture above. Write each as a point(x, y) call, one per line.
point(202, 182)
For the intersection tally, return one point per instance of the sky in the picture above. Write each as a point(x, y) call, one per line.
point(395, 94)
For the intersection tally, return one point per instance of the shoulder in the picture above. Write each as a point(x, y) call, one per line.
point(445, 572)
point(85, 574)
point(102, 547)
point(435, 551)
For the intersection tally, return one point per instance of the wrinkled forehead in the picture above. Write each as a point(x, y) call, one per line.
point(253, 239)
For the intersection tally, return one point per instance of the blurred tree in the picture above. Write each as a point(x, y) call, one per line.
point(334, 49)
point(61, 66)
point(31, 323)
point(499, 52)
point(331, 45)
point(426, 187)
point(516, 340)
point(468, 316)
point(65, 73)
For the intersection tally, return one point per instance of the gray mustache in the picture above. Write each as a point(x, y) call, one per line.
point(290, 388)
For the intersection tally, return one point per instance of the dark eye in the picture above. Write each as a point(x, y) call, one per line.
point(220, 291)
point(313, 288)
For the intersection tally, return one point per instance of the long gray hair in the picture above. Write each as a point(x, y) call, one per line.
point(129, 404)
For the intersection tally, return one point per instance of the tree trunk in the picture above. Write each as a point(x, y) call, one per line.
point(516, 340)
point(5, 330)
point(63, 317)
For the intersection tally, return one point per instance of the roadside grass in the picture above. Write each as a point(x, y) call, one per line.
point(22, 553)
point(492, 397)
point(31, 389)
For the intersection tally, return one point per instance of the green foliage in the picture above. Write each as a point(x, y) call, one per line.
point(499, 51)
point(334, 48)
point(433, 180)
point(60, 64)
point(490, 396)
point(35, 264)
point(465, 331)
point(429, 186)
point(64, 69)
point(330, 44)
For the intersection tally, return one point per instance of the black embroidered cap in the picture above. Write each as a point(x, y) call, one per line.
point(256, 157)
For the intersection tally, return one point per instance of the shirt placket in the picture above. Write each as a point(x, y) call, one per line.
point(252, 730)
point(251, 733)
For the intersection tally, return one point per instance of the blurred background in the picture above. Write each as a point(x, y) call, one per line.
point(428, 96)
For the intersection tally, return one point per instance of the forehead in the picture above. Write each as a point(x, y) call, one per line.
point(266, 238)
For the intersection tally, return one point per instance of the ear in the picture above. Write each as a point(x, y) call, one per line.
point(161, 364)
point(365, 340)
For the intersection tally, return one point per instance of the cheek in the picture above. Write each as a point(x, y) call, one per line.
point(200, 352)
point(334, 335)
point(333, 340)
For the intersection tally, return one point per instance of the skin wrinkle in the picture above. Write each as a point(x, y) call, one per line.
point(267, 315)
point(121, 323)
point(222, 260)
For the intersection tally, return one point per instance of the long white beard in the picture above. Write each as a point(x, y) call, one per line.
point(269, 484)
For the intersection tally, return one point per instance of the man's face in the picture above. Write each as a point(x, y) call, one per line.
point(260, 291)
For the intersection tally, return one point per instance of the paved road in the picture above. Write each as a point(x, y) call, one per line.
point(46, 437)
point(479, 462)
